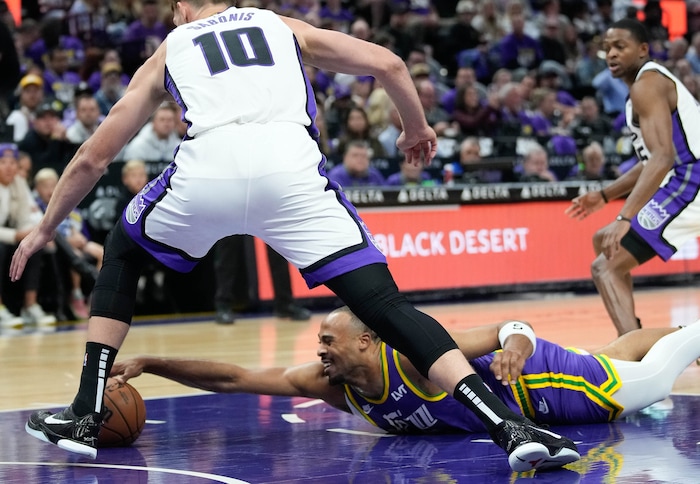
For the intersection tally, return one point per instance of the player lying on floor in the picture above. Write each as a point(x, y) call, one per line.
point(547, 383)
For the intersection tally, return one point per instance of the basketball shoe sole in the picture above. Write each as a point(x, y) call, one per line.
point(530, 447)
point(66, 430)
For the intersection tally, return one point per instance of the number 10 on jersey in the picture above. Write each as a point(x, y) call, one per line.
point(245, 47)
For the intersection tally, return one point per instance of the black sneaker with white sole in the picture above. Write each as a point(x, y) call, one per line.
point(67, 430)
point(531, 447)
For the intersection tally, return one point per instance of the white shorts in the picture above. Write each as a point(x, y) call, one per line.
point(263, 180)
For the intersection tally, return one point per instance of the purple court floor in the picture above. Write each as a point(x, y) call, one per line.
point(256, 439)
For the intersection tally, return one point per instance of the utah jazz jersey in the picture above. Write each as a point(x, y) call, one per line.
point(404, 408)
point(558, 385)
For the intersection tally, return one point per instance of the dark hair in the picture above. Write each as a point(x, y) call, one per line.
point(635, 27)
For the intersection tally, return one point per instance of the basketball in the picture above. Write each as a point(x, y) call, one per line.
point(124, 417)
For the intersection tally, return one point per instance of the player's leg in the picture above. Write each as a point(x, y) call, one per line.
point(76, 428)
point(651, 379)
point(314, 226)
point(370, 292)
point(613, 280)
point(634, 345)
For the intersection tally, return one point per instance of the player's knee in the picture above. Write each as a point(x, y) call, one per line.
point(599, 268)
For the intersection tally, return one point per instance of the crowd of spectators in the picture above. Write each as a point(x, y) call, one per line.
point(518, 80)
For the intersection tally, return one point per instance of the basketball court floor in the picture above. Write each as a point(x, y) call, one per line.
point(195, 437)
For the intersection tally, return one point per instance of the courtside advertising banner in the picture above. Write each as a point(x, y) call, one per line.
point(477, 246)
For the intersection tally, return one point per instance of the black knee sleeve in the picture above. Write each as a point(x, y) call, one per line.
point(114, 295)
point(370, 293)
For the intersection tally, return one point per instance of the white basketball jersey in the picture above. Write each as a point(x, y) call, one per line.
point(239, 66)
point(686, 121)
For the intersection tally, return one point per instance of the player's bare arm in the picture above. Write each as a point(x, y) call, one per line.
point(145, 92)
point(584, 205)
point(337, 52)
point(305, 380)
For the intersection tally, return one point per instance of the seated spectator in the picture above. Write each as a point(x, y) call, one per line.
point(590, 125)
point(515, 120)
point(134, 178)
point(357, 128)
point(24, 171)
point(466, 76)
point(593, 165)
point(535, 167)
point(460, 172)
point(356, 171)
point(158, 139)
point(501, 78)
point(518, 50)
point(111, 87)
point(437, 117)
point(16, 221)
point(378, 106)
point(31, 95)
point(410, 174)
point(547, 118)
point(88, 118)
point(111, 57)
point(147, 25)
point(46, 142)
point(490, 22)
point(555, 77)
point(389, 135)
point(60, 82)
point(73, 231)
point(474, 116)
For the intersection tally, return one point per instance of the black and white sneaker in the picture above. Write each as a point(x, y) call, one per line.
point(530, 447)
point(66, 430)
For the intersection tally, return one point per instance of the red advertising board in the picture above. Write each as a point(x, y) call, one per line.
point(432, 248)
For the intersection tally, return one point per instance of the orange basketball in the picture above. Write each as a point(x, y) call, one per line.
point(124, 417)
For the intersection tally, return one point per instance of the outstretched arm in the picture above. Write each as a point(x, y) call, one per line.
point(145, 92)
point(584, 205)
point(298, 381)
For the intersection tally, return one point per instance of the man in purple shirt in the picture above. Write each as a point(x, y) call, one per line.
point(519, 50)
point(356, 170)
point(59, 81)
point(147, 25)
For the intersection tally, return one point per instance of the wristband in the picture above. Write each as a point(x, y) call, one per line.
point(517, 327)
point(603, 196)
point(622, 218)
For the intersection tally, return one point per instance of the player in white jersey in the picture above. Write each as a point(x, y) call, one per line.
point(250, 164)
point(662, 209)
